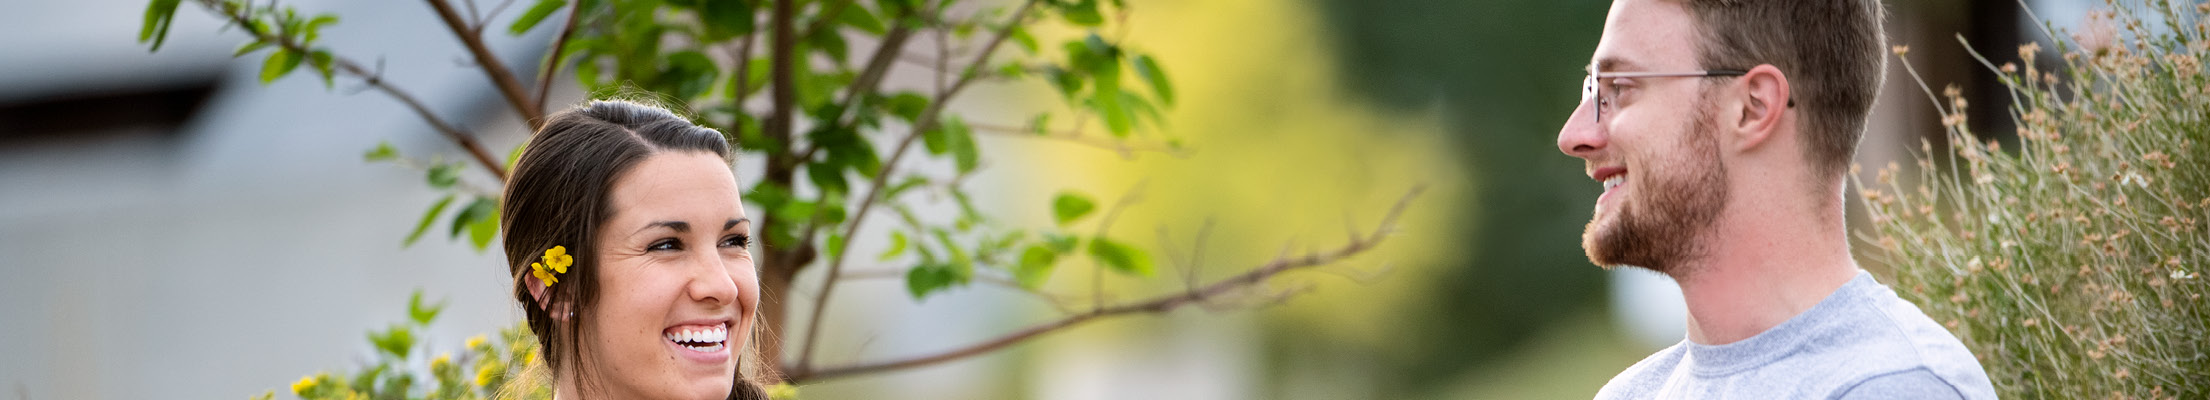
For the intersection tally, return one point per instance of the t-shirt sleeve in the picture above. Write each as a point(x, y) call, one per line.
point(1917, 383)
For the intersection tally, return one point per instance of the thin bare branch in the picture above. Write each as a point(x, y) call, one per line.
point(485, 20)
point(875, 186)
point(1125, 149)
point(500, 75)
point(374, 79)
point(552, 61)
point(1056, 301)
point(1156, 305)
point(1105, 225)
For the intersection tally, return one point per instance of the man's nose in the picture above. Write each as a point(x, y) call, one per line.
point(1582, 136)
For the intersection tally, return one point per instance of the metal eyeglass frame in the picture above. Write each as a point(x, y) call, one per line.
point(1592, 91)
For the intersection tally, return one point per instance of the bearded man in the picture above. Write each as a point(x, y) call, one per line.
point(1722, 131)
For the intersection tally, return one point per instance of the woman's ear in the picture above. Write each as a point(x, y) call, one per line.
point(536, 289)
point(558, 311)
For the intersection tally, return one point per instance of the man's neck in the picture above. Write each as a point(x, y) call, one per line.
point(1762, 266)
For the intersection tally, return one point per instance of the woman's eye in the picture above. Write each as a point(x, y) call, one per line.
point(736, 241)
point(665, 244)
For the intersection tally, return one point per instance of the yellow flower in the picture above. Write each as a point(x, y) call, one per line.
point(305, 383)
point(475, 341)
point(488, 372)
point(443, 361)
point(555, 262)
point(558, 259)
point(782, 391)
point(543, 276)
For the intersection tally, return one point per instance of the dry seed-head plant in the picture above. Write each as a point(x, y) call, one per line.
point(2073, 263)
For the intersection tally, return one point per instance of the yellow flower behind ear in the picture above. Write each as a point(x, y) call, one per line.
point(558, 259)
point(547, 277)
point(475, 342)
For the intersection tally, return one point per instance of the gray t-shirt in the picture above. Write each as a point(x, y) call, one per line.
point(1862, 342)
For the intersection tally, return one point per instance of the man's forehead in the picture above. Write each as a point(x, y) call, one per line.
point(1642, 34)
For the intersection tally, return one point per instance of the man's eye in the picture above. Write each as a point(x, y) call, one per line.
point(665, 244)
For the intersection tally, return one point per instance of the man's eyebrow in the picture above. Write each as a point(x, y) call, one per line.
point(678, 226)
point(1612, 64)
point(733, 223)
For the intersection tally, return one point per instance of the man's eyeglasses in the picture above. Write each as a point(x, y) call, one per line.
point(1592, 89)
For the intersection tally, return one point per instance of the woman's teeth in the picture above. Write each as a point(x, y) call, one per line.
point(704, 339)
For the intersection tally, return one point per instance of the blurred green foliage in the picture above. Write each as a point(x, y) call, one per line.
point(1504, 75)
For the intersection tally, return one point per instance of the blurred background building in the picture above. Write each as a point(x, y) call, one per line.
point(169, 228)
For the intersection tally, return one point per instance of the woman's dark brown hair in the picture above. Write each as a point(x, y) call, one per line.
point(559, 195)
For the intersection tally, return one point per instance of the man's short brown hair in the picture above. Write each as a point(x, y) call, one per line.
point(1830, 51)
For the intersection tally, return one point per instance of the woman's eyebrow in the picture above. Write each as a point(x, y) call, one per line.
point(677, 226)
point(733, 223)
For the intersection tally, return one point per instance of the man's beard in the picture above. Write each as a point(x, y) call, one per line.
point(1663, 230)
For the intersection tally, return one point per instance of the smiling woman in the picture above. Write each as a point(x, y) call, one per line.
point(629, 251)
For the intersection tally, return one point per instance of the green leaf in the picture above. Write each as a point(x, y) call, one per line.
point(1120, 257)
point(925, 279)
point(860, 17)
point(1020, 35)
point(965, 154)
point(836, 245)
point(484, 229)
point(725, 19)
point(383, 152)
point(1068, 207)
point(1149, 70)
point(1066, 81)
point(908, 105)
point(314, 27)
point(428, 217)
point(689, 74)
point(938, 139)
point(1035, 267)
point(325, 65)
point(249, 48)
point(483, 207)
point(444, 175)
point(1082, 13)
point(422, 315)
point(1141, 107)
point(280, 62)
point(1107, 98)
point(537, 13)
point(160, 14)
point(897, 246)
point(394, 341)
point(827, 177)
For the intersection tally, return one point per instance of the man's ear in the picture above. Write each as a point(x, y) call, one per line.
point(1764, 104)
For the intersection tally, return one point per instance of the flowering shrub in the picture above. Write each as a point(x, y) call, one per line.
point(481, 368)
point(2071, 264)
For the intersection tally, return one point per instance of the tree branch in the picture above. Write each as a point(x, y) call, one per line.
point(875, 186)
point(460, 137)
point(1124, 148)
point(552, 62)
point(784, 93)
point(509, 86)
point(1155, 305)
